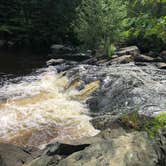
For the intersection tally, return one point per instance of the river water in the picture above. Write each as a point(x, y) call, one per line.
point(35, 106)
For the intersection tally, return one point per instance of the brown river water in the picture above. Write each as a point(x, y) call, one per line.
point(35, 106)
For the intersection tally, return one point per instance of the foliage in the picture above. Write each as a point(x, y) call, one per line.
point(146, 24)
point(100, 22)
point(111, 50)
point(91, 23)
point(36, 22)
point(142, 123)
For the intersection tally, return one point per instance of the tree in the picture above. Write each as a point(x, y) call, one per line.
point(100, 22)
point(37, 22)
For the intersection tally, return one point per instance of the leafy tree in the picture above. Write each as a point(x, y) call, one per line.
point(146, 24)
point(100, 22)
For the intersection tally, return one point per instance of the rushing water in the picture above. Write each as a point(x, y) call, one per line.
point(37, 108)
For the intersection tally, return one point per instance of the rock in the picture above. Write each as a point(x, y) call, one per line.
point(161, 65)
point(124, 87)
point(58, 148)
point(60, 49)
point(55, 62)
point(160, 146)
point(114, 56)
point(123, 59)
point(143, 58)
point(11, 155)
point(132, 50)
point(123, 149)
point(90, 61)
point(163, 55)
point(45, 161)
point(152, 54)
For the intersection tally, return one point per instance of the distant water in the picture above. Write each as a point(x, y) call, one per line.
point(35, 107)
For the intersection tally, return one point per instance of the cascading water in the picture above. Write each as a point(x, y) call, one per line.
point(38, 109)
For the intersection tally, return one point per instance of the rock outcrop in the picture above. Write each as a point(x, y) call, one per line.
point(11, 155)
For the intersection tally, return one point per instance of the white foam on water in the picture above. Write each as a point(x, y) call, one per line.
point(39, 110)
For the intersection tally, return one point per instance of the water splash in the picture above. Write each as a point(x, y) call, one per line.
point(41, 109)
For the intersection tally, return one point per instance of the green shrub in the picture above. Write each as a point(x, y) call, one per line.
point(111, 50)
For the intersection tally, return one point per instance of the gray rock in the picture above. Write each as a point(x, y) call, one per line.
point(143, 58)
point(121, 150)
point(55, 62)
point(161, 65)
point(160, 146)
point(125, 87)
point(11, 155)
point(132, 50)
point(163, 55)
point(60, 49)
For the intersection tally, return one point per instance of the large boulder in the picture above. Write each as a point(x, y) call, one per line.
point(124, 87)
point(110, 147)
point(11, 155)
point(123, 150)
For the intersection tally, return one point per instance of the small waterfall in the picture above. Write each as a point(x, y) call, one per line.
point(38, 109)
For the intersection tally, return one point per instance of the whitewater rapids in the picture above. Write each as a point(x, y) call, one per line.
point(38, 109)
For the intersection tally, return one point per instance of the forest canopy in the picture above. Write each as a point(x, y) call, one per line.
point(86, 23)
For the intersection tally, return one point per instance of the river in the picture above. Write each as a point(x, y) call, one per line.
point(35, 106)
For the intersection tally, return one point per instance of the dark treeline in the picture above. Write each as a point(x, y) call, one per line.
point(89, 23)
point(37, 22)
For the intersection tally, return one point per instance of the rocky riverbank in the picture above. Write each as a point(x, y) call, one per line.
point(126, 96)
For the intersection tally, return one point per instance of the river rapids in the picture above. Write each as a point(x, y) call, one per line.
point(38, 108)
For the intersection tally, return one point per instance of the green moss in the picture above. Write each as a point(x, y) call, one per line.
point(143, 123)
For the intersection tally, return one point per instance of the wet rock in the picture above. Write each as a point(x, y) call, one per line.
point(11, 155)
point(120, 150)
point(143, 58)
point(132, 50)
point(161, 65)
point(124, 87)
point(55, 62)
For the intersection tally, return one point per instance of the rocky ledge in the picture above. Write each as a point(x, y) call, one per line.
point(127, 100)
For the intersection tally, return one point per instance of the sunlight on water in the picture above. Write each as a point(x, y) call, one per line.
point(38, 111)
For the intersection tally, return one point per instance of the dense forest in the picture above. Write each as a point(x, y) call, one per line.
point(105, 24)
